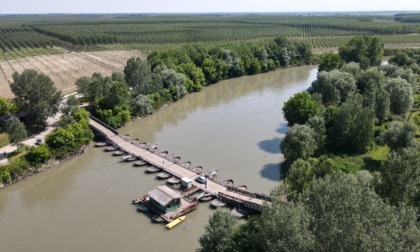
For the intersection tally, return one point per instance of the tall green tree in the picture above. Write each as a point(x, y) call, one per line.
point(399, 135)
point(299, 142)
point(330, 62)
point(94, 87)
point(352, 130)
point(348, 216)
point(401, 95)
point(138, 75)
point(334, 87)
point(299, 108)
point(218, 232)
point(401, 177)
point(36, 95)
point(16, 130)
point(367, 51)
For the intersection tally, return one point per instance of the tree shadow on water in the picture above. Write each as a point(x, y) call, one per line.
point(271, 145)
point(283, 128)
point(271, 171)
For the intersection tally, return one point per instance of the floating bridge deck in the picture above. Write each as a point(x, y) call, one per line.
point(248, 200)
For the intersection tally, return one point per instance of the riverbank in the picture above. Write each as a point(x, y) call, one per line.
point(32, 171)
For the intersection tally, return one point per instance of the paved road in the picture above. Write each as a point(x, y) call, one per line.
point(31, 140)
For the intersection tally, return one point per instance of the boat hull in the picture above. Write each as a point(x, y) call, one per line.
point(175, 222)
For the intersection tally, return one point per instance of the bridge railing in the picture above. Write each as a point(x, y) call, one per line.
point(103, 124)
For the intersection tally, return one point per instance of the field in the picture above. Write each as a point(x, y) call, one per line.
point(66, 47)
point(65, 69)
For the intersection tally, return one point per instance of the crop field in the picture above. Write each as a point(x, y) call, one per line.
point(66, 47)
point(65, 69)
point(22, 36)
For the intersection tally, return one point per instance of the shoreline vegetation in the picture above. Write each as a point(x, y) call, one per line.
point(352, 162)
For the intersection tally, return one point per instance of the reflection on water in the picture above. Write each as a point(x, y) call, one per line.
point(84, 205)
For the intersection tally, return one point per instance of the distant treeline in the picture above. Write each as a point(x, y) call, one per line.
point(408, 18)
point(84, 30)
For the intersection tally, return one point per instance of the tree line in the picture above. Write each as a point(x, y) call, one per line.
point(353, 163)
point(168, 75)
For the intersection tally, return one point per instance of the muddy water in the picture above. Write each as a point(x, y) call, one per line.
point(84, 204)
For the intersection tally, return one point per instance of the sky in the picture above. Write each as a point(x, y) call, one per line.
point(200, 6)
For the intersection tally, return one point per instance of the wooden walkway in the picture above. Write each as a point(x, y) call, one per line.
point(213, 187)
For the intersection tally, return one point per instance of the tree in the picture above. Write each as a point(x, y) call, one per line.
point(95, 87)
point(290, 232)
point(352, 68)
point(138, 75)
point(6, 106)
point(401, 59)
point(348, 216)
point(142, 105)
point(218, 232)
point(16, 130)
point(36, 95)
point(352, 130)
point(334, 86)
point(401, 177)
point(367, 51)
point(318, 125)
point(401, 95)
point(61, 142)
point(330, 62)
point(299, 142)
point(38, 155)
point(299, 108)
point(399, 135)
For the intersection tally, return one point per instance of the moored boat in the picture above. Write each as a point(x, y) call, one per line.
point(242, 187)
point(129, 158)
point(100, 144)
point(140, 163)
point(163, 175)
point(111, 148)
point(174, 180)
point(163, 154)
point(175, 222)
point(152, 169)
point(197, 169)
point(205, 197)
point(176, 160)
point(217, 203)
point(118, 153)
point(142, 207)
point(228, 182)
point(186, 164)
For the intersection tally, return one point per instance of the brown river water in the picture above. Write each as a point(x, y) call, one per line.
point(84, 205)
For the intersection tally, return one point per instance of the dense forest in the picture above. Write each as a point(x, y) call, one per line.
point(352, 162)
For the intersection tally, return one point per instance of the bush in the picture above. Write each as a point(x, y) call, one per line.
point(38, 155)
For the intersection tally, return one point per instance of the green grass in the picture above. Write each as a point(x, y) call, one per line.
point(4, 140)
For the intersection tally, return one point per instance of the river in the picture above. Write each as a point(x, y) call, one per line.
point(84, 205)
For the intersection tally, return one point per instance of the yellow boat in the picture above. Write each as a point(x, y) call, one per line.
point(175, 222)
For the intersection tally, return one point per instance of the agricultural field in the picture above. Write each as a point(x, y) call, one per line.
point(65, 69)
point(66, 47)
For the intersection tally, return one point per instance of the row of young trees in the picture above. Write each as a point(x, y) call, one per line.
point(350, 109)
point(169, 75)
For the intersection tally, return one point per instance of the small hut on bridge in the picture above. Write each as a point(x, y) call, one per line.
point(165, 199)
